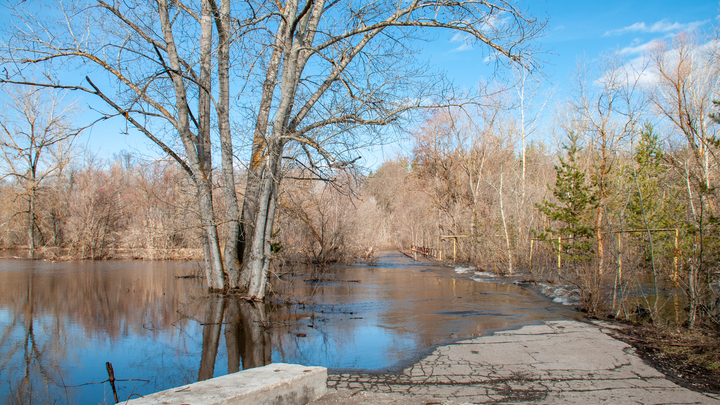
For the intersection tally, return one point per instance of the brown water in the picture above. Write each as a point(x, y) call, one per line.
point(61, 322)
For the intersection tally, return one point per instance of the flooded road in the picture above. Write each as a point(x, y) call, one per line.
point(61, 322)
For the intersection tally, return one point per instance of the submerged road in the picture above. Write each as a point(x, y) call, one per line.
point(557, 362)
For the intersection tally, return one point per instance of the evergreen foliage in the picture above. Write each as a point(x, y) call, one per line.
point(652, 204)
point(576, 199)
point(646, 199)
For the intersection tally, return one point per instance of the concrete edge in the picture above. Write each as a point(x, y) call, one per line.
point(274, 384)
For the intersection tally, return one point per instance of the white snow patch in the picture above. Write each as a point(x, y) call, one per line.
point(484, 277)
point(562, 294)
point(463, 270)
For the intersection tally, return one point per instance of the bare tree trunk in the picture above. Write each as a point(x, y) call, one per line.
point(523, 134)
point(197, 148)
point(214, 272)
point(203, 141)
point(232, 244)
point(600, 241)
point(31, 218)
point(255, 170)
point(692, 295)
point(258, 261)
point(505, 227)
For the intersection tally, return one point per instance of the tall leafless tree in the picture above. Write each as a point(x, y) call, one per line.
point(36, 142)
point(686, 84)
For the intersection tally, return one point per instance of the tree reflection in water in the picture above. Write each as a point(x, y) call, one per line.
point(215, 307)
point(34, 358)
point(246, 335)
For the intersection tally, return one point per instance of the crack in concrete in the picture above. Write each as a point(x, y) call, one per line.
point(575, 363)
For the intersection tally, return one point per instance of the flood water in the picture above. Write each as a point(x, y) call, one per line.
point(61, 322)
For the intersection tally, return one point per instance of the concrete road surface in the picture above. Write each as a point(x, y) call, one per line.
point(558, 362)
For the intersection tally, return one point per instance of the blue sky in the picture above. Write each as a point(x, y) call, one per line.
point(588, 29)
point(576, 29)
point(592, 28)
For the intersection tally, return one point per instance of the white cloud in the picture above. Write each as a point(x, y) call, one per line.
point(466, 40)
point(459, 37)
point(639, 49)
point(464, 47)
point(659, 27)
point(490, 58)
point(639, 69)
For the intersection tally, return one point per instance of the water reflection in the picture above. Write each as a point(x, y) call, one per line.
point(26, 340)
point(60, 323)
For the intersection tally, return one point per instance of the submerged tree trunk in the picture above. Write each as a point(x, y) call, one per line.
point(256, 350)
point(234, 334)
point(248, 342)
point(213, 259)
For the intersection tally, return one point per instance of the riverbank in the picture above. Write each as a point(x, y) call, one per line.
point(67, 254)
point(556, 362)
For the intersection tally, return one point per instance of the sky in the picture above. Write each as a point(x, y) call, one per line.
point(576, 29)
point(588, 29)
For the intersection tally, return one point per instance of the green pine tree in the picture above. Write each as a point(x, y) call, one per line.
point(648, 176)
point(573, 210)
point(652, 204)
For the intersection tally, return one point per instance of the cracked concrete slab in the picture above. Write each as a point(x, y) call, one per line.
point(558, 362)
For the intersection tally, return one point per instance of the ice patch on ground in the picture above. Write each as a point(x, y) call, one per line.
point(484, 277)
point(463, 270)
point(562, 294)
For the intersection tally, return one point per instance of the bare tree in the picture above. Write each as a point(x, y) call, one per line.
point(609, 115)
point(686, 85)
point(36, 142)
point(337, 71)
point(526, 89)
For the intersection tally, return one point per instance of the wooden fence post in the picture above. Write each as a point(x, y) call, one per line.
point(454, 249)
point(675, 256)
point(620, 257)
point(531, 253)
point(559, 253)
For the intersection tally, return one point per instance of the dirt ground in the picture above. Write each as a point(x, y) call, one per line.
point(689, 359)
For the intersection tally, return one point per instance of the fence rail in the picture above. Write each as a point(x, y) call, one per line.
point(426, 251)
